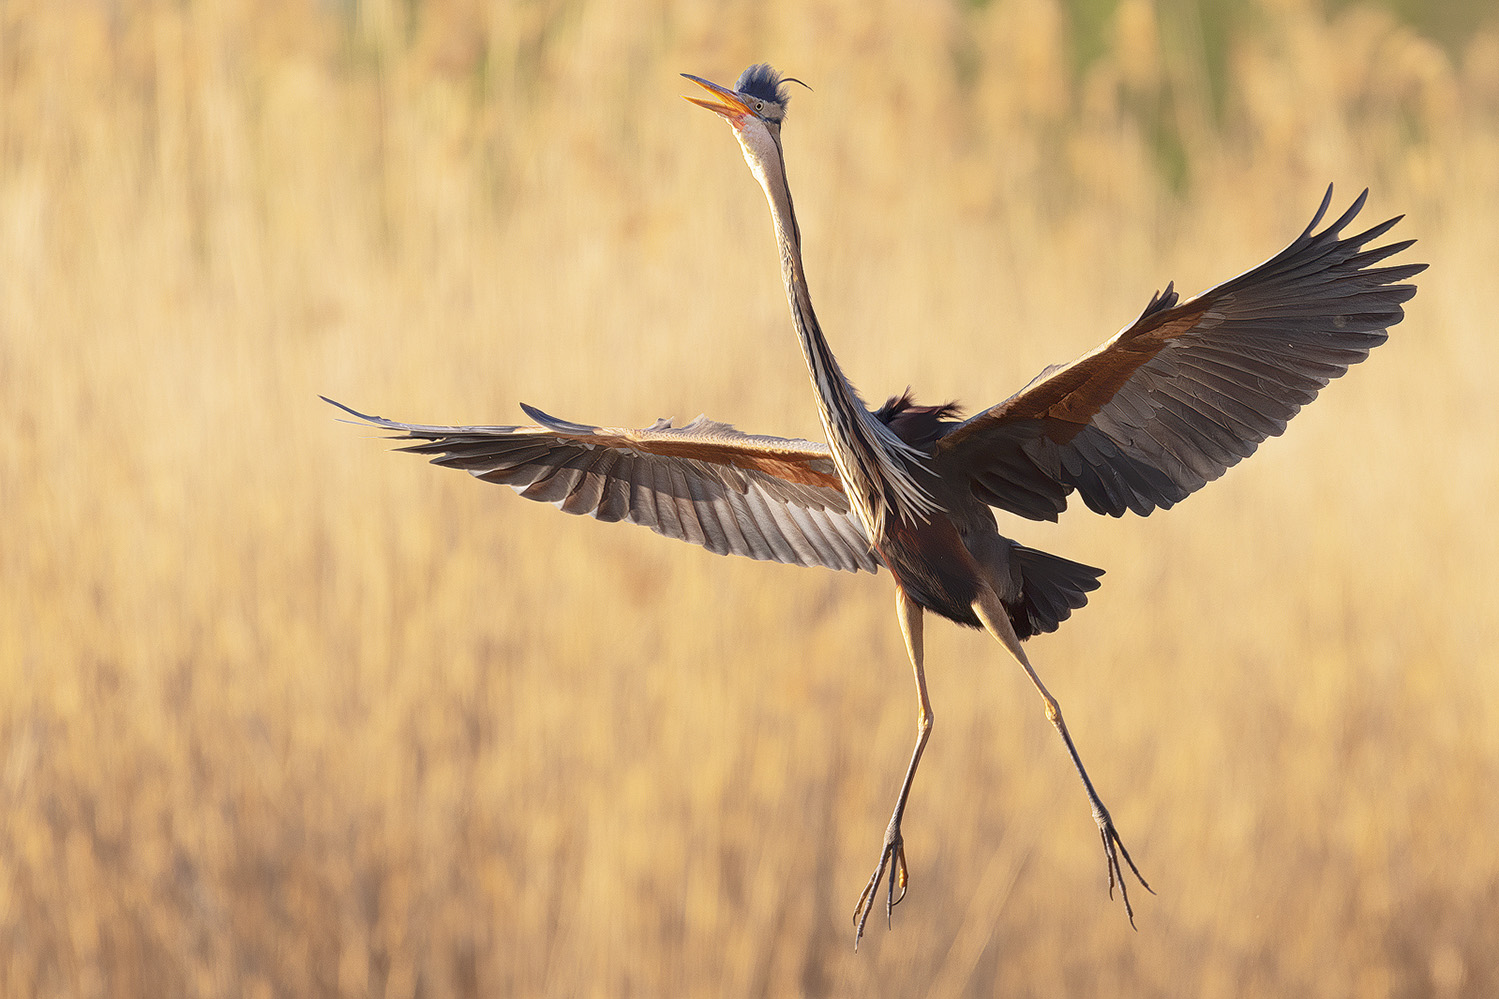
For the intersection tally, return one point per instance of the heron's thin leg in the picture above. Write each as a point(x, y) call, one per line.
point(893, 853)
point(996, 621)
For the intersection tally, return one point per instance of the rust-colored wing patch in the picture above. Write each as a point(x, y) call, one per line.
point(805, 467)
point(1074, 393)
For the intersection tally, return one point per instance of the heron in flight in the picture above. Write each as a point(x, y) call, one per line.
point(1155, 413)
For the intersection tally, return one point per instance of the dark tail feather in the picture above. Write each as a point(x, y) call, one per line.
point(1051, 589)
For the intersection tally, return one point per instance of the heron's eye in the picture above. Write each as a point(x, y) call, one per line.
point(759, 106)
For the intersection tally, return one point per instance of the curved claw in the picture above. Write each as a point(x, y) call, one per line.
point(893, 857)
point(1113, 846)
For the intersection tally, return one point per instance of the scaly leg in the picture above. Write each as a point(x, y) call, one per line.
point(893, 853)
point(996, 621)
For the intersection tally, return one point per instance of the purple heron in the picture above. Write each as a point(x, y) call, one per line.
point(1155, 413)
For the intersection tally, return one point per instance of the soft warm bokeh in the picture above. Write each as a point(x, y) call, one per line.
point(282, 714)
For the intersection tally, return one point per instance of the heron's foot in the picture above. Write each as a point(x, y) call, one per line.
point(893, 859)
point(1113, 849)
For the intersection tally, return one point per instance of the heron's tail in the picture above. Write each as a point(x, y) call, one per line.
point(1051, 589)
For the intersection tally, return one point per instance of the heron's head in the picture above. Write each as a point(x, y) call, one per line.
point(755, 108)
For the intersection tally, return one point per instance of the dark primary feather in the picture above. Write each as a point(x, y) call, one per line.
point(767, 498)
point(1189, 388)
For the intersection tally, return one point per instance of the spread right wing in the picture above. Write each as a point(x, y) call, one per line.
point(766, 498)
point(1190, 388)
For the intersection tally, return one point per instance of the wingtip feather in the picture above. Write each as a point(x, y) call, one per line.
point(1321, 211)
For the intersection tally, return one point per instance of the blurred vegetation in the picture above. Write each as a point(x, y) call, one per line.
point(283, 714)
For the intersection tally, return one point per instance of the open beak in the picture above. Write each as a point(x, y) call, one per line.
point(729, 104)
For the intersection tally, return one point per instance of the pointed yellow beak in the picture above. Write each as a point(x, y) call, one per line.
point(730, 104)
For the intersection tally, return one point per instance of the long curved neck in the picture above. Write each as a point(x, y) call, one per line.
point(872, 461)
point(838, 403)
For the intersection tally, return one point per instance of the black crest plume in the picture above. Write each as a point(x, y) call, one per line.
point(761, 80)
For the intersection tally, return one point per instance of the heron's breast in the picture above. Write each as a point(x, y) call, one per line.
point(930, 562)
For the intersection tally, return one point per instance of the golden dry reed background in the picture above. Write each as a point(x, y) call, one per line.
point(283, 714)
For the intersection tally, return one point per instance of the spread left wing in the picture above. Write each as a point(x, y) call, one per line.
point(767, 498)
point(1188, 389)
